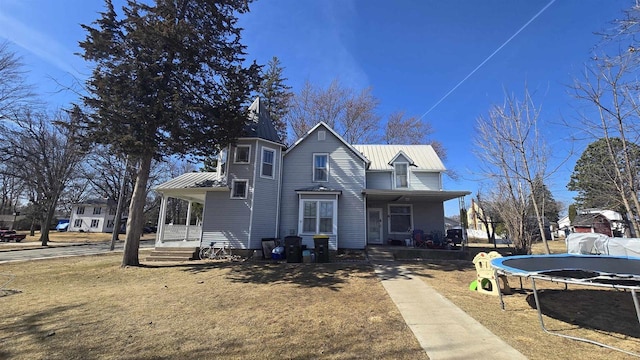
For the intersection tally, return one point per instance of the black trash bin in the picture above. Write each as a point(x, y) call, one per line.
point(293, 249)
point(321, 244)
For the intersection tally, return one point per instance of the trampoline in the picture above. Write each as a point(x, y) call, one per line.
point(589, 270)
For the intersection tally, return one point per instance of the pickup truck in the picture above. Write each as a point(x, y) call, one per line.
point(10, 235)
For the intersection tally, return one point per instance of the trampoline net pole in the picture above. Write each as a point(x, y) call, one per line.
point(635, 303)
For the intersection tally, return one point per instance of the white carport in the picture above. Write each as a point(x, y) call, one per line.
point(193, 188)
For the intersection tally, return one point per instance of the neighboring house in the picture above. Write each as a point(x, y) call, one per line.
point(355, 194)
point(475, 215)
point(93, 215)
point(607, 222)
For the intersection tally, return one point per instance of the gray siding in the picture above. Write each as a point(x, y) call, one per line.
point(417, 180)
point(226, 220)
point(346, 173)
point(427, 216)
point(265, 198)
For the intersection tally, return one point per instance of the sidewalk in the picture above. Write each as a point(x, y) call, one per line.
point(442, 329)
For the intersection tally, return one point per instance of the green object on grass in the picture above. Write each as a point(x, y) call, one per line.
point(474, 285)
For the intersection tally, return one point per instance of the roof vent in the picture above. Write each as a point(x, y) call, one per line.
point(322, 135)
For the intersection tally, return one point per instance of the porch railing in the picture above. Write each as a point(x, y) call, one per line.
point(179, 232)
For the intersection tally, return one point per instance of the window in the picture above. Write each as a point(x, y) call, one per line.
point(95, 223)
point(320, 167)
point(112, 211)
point(97, 210)
point(400, 219)
point(242, 154)
point(77, 223)
point(401, 172)
point(318, 216)
point(268, 157)
point(239, 189)
point(109, 224)
point(80, 210)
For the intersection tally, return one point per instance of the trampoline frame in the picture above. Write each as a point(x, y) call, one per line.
point(501, 269)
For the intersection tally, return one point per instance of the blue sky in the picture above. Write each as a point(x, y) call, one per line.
point(412, 53)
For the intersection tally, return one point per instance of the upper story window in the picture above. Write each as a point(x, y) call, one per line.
point(239, 189)
point(320, 167)
point(242, 154)
point(401, 175)
point(97, 210)
point(112, 211)
point(80, 210)
point(268, 160)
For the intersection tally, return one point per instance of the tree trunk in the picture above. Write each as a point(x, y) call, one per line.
point(135, 222)
point(32, 229)
point(44, 224)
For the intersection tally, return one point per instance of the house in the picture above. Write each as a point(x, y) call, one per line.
point(607, 222)
point(93, 215)
point(355, 194)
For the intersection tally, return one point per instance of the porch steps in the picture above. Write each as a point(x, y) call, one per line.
point(375, 253)
point(173, 254)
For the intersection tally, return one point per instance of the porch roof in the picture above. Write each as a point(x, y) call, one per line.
point(409, 195)
point(193, 186)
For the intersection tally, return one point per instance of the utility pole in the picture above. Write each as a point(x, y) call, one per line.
point(118, 217)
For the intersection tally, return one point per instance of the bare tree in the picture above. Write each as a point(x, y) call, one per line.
point(513, 154)
point(44, 155)
point(411, 130)
point(14, 91)
point(611, 87)
point(351, 113)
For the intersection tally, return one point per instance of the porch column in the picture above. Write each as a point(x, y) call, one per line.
point(186, 235)
point(161, 219)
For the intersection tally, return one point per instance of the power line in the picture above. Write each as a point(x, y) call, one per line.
point(488, 58)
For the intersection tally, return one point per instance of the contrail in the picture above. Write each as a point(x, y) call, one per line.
point(488, 58)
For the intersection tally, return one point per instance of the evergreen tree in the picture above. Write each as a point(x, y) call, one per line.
point(276, 95)
point(168, 79)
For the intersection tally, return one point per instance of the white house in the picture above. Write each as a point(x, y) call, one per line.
point(93, 215)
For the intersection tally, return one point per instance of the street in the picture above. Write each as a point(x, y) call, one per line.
point(66, 251)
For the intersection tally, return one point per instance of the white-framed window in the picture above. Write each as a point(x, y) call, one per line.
point(97, 210)
point(243, 154)
point(80, 210)
point(95, 223)
point(268, 162)
point(77, 223)
point(401, 175)
point(318, 216)
point(239, 188)
point(320, 167)
point(110, 223)
point(112, 211)
point(400, 219)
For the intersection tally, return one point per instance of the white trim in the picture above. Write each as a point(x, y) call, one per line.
point(395, 185)
point(273, 164)
point(233, 185)
point(410, 160)
point(389, 206)
point(255, 172)
point(235, 154)
point(313, 167)
point(261, 139)
point(279, 182)
point(334, 221)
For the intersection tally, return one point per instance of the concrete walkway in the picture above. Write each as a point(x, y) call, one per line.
point(442, 329)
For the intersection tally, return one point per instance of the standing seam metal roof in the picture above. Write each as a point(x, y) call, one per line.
point(423, 156)
point(192, 180)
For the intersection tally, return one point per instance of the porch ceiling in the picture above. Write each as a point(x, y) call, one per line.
point(413, 195)
point(195, 195)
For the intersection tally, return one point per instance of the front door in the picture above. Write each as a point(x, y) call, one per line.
point(374, 226)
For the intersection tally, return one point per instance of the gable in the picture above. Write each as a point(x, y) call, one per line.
point(315, 134)
point(421, 157)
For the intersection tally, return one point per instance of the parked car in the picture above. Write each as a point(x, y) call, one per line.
point(11, 235)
